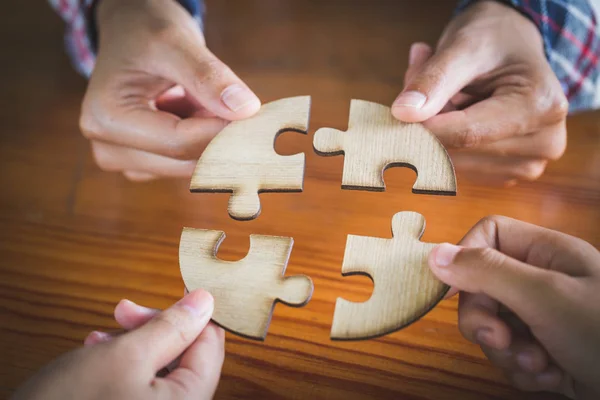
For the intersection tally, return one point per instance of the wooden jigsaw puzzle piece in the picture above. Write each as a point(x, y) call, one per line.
point(404, 289)
point(242, 160)
point(375, 141)
point(245, 291)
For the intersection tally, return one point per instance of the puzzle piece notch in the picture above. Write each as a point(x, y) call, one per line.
point(404, 289)
point(376, 141)
point(242, 160)
point(245, 291)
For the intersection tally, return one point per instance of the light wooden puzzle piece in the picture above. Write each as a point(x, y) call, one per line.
point(245, 291)
point(241, 159)
point(404, 287)
point(375, 141)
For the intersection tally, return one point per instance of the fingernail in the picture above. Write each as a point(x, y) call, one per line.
point(97, 337)
point(199, 303)
point(445, 254)
point(483, 336)
point(237, 97)
point(139, 309)
point(412, 98)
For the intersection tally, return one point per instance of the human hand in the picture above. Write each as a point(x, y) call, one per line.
point(488, 93)
point(126, 366)
point(530, 297)
point(157, 95)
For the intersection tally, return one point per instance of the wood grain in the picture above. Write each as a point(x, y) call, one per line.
point(245, 291)
point(75, 240)
point(404, 288)
point(375, 141)
point(242, 160)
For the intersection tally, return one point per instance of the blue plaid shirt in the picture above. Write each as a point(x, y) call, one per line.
point(569, 29)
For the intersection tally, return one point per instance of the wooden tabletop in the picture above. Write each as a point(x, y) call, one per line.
point(75, 240)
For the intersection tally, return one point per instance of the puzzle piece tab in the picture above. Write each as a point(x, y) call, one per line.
point(245, 291)
point(241, 159)
point(404, 287)
point(375, 141)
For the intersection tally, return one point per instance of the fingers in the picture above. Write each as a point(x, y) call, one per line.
point(479, 123)
point(139, 165)
point(210, 82)
point(131, 315)
point(441, 77)
point(418, 54)
point(127, 314)
point(478, 321)
point(142, 128)
point(549, 143)
point(497, 169)
point(528, 291)
point(200, 367)
point(549, 380)
point(164, 337)
point(538, 246)
point(96, 337)
point(137, 176)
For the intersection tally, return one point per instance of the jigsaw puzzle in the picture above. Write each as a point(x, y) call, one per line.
point(404, 287)
point(245, 291)
point(241, 159)
point(375, 141)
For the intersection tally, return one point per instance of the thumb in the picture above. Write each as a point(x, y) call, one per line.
point(164, 337)
point(524, 289)
point(211, 83)
point(448, 71)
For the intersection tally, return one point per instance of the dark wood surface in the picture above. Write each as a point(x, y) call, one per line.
point(75, 240)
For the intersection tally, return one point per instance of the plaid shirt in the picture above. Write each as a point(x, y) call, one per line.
point(569, 29)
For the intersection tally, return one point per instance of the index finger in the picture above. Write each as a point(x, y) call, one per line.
point(153, 131)
point(534, 245)
point(490, 120)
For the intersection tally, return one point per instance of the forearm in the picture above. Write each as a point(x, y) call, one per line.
point(81, 33)
point(571, 35)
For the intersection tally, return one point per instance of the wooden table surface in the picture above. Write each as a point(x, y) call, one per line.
point(75, 240)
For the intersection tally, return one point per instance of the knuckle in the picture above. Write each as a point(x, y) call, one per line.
point(176, 323)
point(178, 149)
point(89, 125)
point(209, 71)
point(550, 101)
point(164, 32)
point(556, 146)
point(531, 170)
point(469, 137)
point(465, 327)
point(489, 226)
point(490, 258)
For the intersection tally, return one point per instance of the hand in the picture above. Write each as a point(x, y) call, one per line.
point(530, 297)
point(126, 366)
point(157, 95)
point(489, 95)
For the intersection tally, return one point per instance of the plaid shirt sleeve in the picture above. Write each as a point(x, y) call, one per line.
point(571, 36)
point(80, 35)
